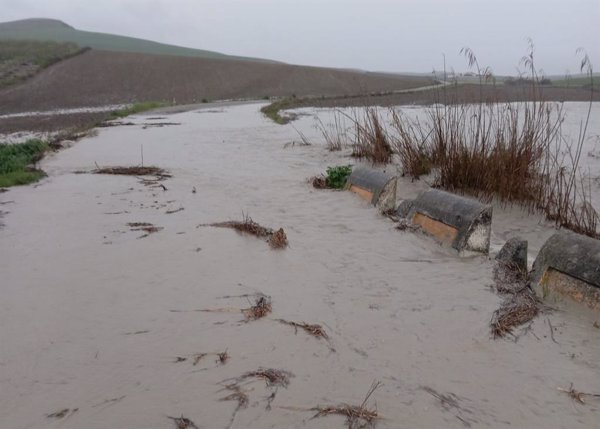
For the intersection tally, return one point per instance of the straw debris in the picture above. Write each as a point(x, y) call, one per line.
point(521, 304)
point(272, 377)
point(261, 308)
point(62, 413)
point(314, 330)
point(183, 423)
point(146, 227)
point(516, 310)
point(356, 416)
point(576, 395)
point(319, 182)
point(133, 171)
point(276, 239)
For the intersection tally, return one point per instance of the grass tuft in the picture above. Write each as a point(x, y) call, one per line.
point(17, 161)
point(136, 108)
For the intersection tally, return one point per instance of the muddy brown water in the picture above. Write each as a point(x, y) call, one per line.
point(87, 320)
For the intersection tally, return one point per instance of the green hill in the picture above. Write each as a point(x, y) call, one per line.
point(41, 29)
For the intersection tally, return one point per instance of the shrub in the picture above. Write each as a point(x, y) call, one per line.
point(15, 160)
point(337, 176)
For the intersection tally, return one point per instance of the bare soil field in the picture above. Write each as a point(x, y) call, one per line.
point(98, 78)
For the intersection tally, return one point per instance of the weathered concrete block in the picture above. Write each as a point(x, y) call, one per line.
point(461, 222)
point(375, 186)
point(568, 268)
point(514, 254)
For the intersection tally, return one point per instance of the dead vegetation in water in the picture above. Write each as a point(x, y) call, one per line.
point(133, 171)
point(261, 308)
point(276, 239)
point(240, 396)
point(314, 329)
point(516, 310)
point(146, 227)
point(357, 416)
point(576, 395)
point(521, 304)
point(221, 358)
point(319, 182)
point(62, 413)
point(183, 423)
point(451, 402)
point(272, 377)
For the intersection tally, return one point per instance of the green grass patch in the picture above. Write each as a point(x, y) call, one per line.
point(272, 110)
point(337, 176)
point(21, 59)
point(136, 108)
point(15, 160)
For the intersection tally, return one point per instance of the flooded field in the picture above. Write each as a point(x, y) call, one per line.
point(102, 322)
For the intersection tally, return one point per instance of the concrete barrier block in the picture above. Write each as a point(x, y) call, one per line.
point(514, 254)
point(567, 268)
point(375, 186)
point(461, 222)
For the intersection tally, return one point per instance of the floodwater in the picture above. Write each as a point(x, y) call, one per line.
point(92, 317)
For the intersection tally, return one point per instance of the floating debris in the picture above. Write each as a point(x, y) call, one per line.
point(62, 413)
point(578, 396)
point(222, 357)
point(273, 377)
point(147, 227)
point(276, 239)
point(183, 423)
point(314, 330)
point(357, 416)
point(450, 402)
point(260, 309)
point(133, 171)
point(514, 311)
point(174, 211)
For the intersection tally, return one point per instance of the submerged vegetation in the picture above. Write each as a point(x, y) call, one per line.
point(136, 108)
point(17, 162)
point(271, 111)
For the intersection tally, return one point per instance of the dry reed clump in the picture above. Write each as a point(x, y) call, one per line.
point(261, 308)
point(276, 239)
point(411, 145)
point(133, 171)
point(314, 330)
point(183, 422)
point(509, 152)
point(335, 134)
point(371, 139)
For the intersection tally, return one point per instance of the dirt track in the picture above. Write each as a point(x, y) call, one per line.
point(97, 78)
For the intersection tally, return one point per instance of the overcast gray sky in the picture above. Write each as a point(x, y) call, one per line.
point(386, 35)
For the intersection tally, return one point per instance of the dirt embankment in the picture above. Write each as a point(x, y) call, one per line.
point(463, 93)
point(98, 78)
